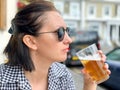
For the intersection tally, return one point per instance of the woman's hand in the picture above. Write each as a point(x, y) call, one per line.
point(89, 84)
point(103, 59)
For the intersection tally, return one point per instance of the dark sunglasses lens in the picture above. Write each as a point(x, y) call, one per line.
point(61, 33)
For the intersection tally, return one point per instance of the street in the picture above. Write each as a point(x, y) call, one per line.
point(79, 79)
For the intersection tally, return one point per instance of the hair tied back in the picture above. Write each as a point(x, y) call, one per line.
point(10, 30)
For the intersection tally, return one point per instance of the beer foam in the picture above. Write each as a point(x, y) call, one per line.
point(95, 57)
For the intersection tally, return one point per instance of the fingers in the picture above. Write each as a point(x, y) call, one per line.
point(108, 72)
point(103, 57)
point(106, 67)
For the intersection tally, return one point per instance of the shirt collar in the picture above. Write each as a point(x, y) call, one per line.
point(57, 70)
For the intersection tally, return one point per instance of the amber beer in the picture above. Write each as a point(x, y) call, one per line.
point(95, 70)
point(91, 60)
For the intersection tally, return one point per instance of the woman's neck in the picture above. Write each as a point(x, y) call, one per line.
point(38, 78)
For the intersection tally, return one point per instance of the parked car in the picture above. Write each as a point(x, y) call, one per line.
point(113, 59)
point(81, 39)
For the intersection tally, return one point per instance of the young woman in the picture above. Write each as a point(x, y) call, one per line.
point(40, 40)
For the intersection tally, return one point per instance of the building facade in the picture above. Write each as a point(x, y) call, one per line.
point(99, 15)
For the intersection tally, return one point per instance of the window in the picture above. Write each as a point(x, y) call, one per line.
point(75, 9)
point(112, 32)
point(106, 11)
point(91, 10)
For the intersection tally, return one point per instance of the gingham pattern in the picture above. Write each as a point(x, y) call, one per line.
point(12, 78)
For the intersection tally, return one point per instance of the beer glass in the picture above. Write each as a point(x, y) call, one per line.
point(91, 60)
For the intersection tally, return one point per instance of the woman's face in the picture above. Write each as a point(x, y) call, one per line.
point(48, 45)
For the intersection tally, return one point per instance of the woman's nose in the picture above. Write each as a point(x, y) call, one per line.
point(67, 38)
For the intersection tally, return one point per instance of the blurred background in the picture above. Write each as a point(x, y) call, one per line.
point(91, 21)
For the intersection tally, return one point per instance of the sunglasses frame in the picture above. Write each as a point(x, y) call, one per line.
point(60, 35)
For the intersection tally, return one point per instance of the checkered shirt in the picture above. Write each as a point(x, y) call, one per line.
point(13, 78)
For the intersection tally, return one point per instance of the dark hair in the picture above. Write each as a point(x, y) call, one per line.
point(26, 22)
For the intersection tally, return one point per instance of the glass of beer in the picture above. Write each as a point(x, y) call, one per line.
point(91, 60)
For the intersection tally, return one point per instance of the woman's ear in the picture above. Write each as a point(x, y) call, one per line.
point(30, 41)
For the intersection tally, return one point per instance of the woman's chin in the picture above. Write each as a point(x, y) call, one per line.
point(63, 59)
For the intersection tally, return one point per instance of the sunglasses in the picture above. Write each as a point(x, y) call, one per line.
point(60, 32)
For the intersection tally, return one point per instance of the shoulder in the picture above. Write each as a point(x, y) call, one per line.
point(9, 73)
point(8, 68)
point(2, 70)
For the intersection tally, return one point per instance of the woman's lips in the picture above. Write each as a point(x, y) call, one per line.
point(66, 50)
